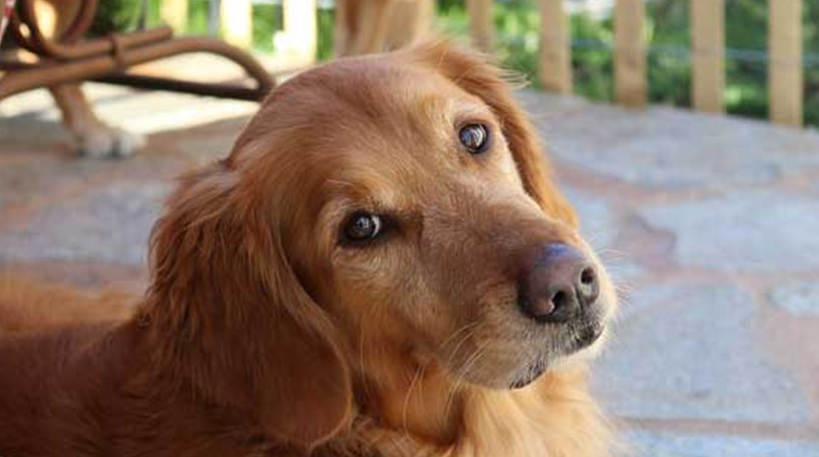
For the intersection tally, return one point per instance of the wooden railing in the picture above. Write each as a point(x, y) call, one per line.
point(785, 66)
point(785, 75)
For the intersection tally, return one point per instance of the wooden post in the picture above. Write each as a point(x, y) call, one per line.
point(299, 35)
point(480, 23)
point(785, 71)
point(708, 55)
point(630, 86)
point(555, 47)
point(175, 14)
point(237, 22)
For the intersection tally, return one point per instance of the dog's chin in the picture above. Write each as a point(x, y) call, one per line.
point(583, 346)
point(578, 345)
point(532, 373)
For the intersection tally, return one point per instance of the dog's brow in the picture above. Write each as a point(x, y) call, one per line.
point(349, 194)
point(472, 111)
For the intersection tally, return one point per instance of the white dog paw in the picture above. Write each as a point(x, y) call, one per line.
point(109, 142)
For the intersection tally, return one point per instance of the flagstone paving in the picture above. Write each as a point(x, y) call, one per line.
point(710, 226)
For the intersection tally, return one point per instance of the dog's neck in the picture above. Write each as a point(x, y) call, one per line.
point(415, 397)
point(417, 407)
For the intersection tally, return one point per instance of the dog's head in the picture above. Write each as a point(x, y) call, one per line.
point(402, 197)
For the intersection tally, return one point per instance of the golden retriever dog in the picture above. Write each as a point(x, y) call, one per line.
point(382, 266)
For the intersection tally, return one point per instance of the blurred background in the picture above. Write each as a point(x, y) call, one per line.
point(682, 130)
point(517, 34)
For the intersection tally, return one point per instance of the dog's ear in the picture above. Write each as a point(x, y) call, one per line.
point(230, 317)
point(475, 74)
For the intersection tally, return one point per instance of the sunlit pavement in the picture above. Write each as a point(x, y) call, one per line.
point(709, 225)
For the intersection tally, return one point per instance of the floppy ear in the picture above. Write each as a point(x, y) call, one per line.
point(229, 316)
point(473, 73)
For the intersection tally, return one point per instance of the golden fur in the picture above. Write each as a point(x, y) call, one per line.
point(263, 333)
point(367, 26)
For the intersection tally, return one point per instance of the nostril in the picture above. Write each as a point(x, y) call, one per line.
point(555, 307)
point(559, 300)
point(588, 277)
point(588, 289)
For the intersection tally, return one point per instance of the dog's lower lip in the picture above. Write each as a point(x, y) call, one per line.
point(589, 334)
point(535, 371)
point(520, 383)
point(585, 337)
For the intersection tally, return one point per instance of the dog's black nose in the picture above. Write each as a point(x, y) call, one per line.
point(558, 282)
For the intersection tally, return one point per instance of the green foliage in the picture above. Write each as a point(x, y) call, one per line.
point(811, 30)
point(592, 59)
point(669, 66)
point(746, 91)
point(326, 20)
point(198, 13)
point(451, 18)
point(267, 19)
point(153, 12)
point(518, 32)
point(116, 16)
point(446, 6)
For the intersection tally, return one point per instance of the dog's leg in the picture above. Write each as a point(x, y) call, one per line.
point(376, 21)
point(346, 27)
point(93, 137)
point(362, 26)
point(409, 21)
point(365, 26)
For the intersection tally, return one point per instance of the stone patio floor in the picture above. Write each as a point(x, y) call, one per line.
point(709, 224)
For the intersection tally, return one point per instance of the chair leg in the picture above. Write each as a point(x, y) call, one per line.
point(24, 77)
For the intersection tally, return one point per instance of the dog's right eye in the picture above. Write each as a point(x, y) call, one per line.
point(362, 227)
point(475, 138)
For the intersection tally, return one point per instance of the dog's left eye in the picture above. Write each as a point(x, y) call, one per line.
point(362, 227)
point(475, 138)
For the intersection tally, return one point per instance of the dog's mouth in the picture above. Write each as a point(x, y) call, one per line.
point(586, 335)
point(581, 338)
point(532, 372)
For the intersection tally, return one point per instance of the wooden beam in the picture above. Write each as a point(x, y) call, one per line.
point(708, 55)
point(785, 70)
point(555, 47)
point(630, 86)
point(237, 22)
point(175, 14)
point(481, 28)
